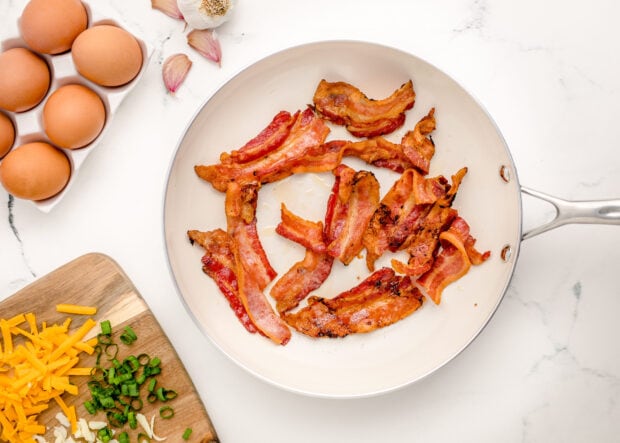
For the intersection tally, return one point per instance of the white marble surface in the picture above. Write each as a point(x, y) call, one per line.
point(545, 369)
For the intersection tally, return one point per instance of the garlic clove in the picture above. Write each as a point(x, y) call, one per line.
point(205, 41)
point(205, 14)
point(168, 7)
point(175, 70)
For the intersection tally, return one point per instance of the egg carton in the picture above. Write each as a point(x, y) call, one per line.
point(29, 124)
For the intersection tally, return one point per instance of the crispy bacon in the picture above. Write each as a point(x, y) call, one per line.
point(379, 152)
point(357, 199)
point(269, 139)
point(252, 267)
point(304, 277)
point(258, 307)
point(422, 245)
point(417, 145)
point(380, 300)
point(453, 261)
point(319, 158)
point(307, 132)
point(310, 273)
point(408, 200)
point(218, 262)
point(414, 151)
point(240, 208)
point(344, 104)
point(422, 241)
point(306, 233)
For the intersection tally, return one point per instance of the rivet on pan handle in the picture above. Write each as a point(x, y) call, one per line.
point(590, 212)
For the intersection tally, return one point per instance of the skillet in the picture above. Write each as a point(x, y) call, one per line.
point(490, 199)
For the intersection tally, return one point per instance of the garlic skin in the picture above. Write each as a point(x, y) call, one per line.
point(175, 70)
point(168, 7)
point(205, 14)
point(205, 41)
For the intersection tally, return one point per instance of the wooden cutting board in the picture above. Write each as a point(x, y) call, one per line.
point(97, 280)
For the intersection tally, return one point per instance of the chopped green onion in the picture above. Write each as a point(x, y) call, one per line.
point(129, 336)
point(111, 375)
point(98, 351)
point(111, 350)
point(187, 433)
point(151, 386)
point(166, 412)
point(103, 339)
point(130, 332)
point(105, 434)
point(136, 404)
point(133, 363)
point(115, 389)
point(106, 327)
point(116, 419)
point(152, 370)
point(98, 374)
point(90, 407)
point(133, 390)
point(164, 394)
point(131, 419)
point(107, 402)
point(140, 379)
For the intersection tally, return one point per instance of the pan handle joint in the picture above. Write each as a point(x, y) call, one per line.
point(589, 212)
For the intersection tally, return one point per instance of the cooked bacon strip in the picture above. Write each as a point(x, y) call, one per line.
point(461, 229)
point(304, 277)
point(306, 233)
point(408, 200)
point(380, 300)
point(417, 145)
point(258, 307)
point(335, 215)
point(422, 242)
point(240, 206)
point(319, 158)
point(379, 152)
point(344, 104)
point(358, 198)
point(252, 267)
point(219, 264)
point(414, 151)
point(454, 260)
point(269, 139)
point(307, 132)
point(310, 273)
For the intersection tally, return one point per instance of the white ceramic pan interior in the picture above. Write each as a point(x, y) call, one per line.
point(392, 357)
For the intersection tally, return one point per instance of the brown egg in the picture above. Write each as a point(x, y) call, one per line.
point(107, 55)
point(7, 134)
point(35, 171)
point(50, 26)
point(24, 79)
point(73, 116)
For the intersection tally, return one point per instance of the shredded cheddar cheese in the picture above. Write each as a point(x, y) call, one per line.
point(76, 309)
point(36, 366)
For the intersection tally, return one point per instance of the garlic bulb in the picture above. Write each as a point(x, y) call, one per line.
point(205, 14)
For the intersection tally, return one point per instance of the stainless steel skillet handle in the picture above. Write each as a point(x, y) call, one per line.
point(591, 212)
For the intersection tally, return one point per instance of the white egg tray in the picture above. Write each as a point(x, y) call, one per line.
point(29, 124)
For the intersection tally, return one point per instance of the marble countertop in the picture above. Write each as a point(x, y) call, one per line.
point(547, 366)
